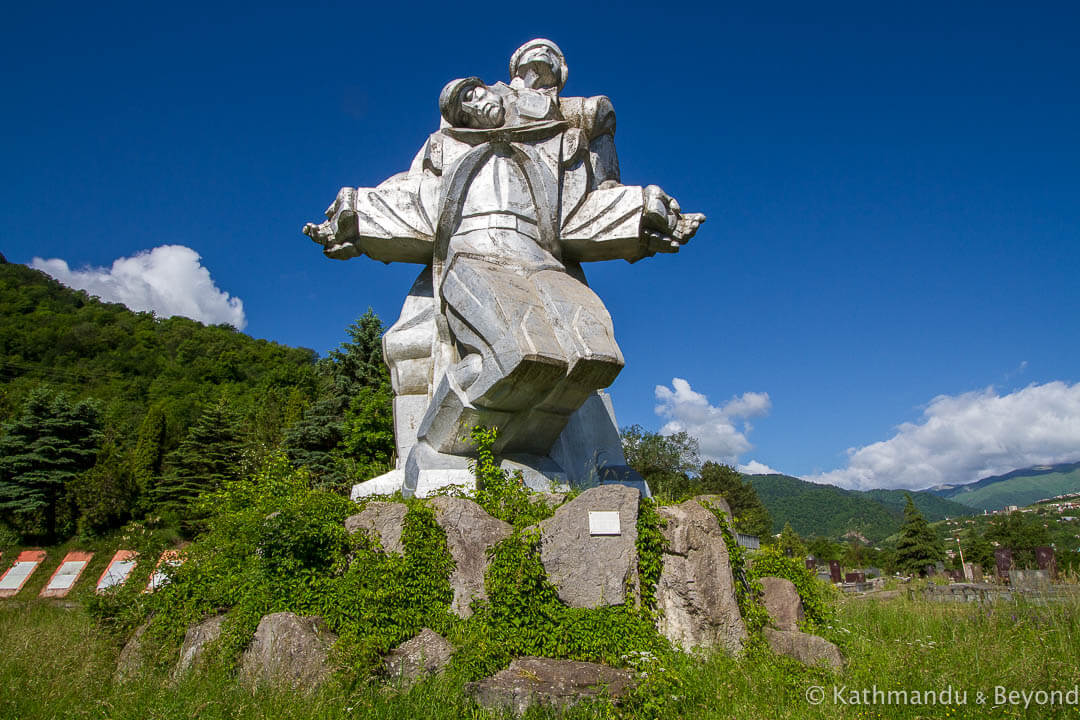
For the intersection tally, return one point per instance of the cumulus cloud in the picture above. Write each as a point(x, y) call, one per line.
point(966, 437)
point(168, 280)
point(720, 431)
point(756, 468)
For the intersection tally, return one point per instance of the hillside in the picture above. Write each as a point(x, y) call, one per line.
point(1019, 487)
point(829, 511)
point(128, 361)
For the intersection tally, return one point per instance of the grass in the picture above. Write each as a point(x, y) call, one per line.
point(56, 663)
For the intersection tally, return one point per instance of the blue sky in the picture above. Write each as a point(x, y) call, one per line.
point(889, 264)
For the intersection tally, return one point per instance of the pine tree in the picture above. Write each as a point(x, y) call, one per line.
point(918, 546)
point(348, 432)
point(149, 454)
point(105, 494)
point(41, 453)
point(208, 457)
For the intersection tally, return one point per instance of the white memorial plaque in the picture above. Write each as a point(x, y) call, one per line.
point(25, 564)
point(66, 576)
point(604, 522)
point(16, 576)
point(123, 562)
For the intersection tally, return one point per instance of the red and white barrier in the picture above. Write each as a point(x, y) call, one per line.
point(169, 558)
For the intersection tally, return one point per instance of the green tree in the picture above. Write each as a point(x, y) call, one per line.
point(822, 548)
point(1021, 533)
point(207, 458)
point(790, 544)
point(665, 461)
point(149, 453)
point(751, 515)
point(348, 432)
point(41, 453)
point(105, 495)
point(918, 545)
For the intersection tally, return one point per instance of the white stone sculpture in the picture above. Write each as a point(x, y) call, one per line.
point(502, 204)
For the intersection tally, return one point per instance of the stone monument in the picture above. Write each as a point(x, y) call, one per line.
point(501, 206)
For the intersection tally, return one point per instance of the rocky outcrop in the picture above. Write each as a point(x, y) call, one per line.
point(426, 654)
point(130, 662)
point(782, 602)
point(383, 521)
point(556, 684)
point(288, 650)
point(804, 647)
point(195, 643)
point(470, 532)
point(696, 591)
point(591, 571)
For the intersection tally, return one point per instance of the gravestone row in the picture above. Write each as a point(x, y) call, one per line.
point(71, 568)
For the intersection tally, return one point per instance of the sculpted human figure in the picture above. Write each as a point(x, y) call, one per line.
point(501, 205)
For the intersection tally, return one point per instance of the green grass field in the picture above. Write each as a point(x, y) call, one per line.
point(56, 663)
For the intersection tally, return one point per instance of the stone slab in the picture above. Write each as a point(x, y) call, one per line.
point(426, 654)
point(782, 602)
point(383, 521)
point(288, 650)
point(696, 590)
point(588, 570)
point(12, 581)
point(160, 576)
point(807, 649)
point(118, 570)
point(65, 576)
point(470, 533)
point(555, 684)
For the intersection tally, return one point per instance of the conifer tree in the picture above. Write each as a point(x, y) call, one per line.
point(918, 546)
point(41, 453)
point(149, 453)
point(208, 456)
point(348, 432)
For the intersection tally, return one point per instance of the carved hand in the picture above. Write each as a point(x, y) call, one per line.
point(664, 226)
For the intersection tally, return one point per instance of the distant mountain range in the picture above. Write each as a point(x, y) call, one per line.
point(829, 511)
point(1019, 487)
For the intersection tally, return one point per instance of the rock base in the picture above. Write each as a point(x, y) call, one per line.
point(557, 684)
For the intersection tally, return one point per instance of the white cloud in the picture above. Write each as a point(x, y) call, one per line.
point(168, 280)
point(714, 427)
point(756, 468)
point(966, 437)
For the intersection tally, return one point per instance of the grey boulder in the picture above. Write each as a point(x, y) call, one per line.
point(470, 532)
point(696, 591)
point(197, 638)
point(288, 650)
point(383, 521)
point(426, 654)
point(782, 602)
point(551, 683)
point(591, 571)
point(804, 647)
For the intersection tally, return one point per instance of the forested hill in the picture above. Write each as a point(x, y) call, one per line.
point(110, 416)
point(128, 361)
point(829, 511)
point(1019, 487)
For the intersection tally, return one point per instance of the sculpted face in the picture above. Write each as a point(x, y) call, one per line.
point(539, 67)
point(481, 107)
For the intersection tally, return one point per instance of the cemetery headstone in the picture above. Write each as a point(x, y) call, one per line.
point(66, 575)
point(809, 562)
point(834, 571)
point(1044, 558)
point(855, 577)
point(16, 576)
point(1004, 561)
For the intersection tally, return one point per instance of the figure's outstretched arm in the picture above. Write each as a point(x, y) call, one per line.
point(390, 223)
point(627, 222)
